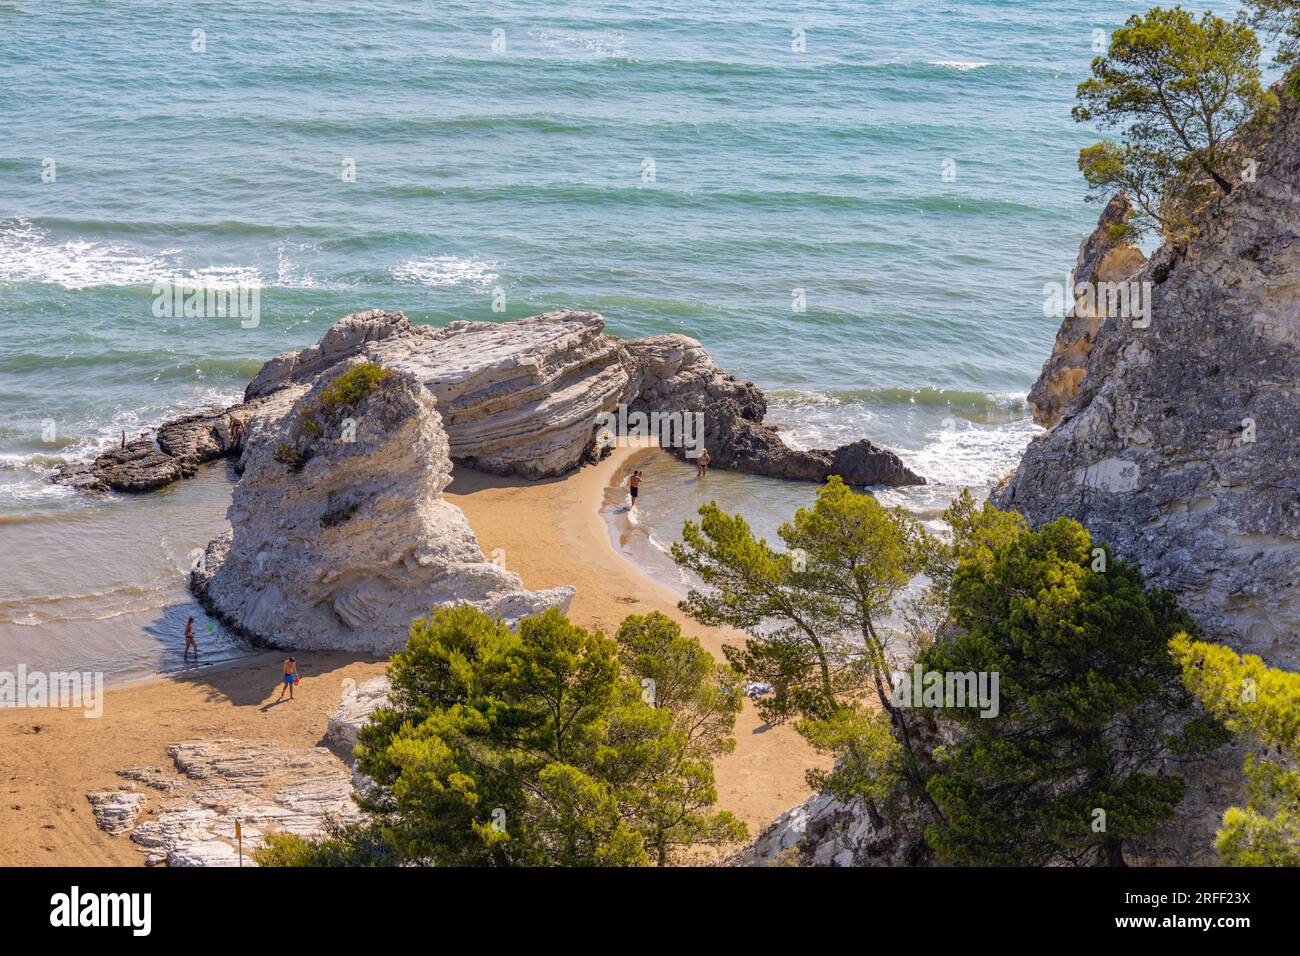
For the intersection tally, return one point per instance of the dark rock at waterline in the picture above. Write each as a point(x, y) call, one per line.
point(145, 464)
point(137, 466)
point(736, 442)
point(862, 463)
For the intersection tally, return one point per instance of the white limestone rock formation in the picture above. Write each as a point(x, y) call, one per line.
point(821, 831)
point(265, 786)
point(1180, 445)
point(358, 703)
point(340, 535)
point(527, 397)
point(518, 398)
point(115, 811)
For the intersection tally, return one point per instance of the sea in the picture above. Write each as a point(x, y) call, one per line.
point(856, 205)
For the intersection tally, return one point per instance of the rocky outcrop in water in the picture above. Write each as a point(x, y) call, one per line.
point(522, 398)
point(674, 374)
point(340, 535)
point(147, 463)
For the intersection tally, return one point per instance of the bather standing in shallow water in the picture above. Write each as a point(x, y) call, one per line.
point(702, 463)
point(634, 485)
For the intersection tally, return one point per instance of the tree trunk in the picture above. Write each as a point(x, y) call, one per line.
point(1114, 851)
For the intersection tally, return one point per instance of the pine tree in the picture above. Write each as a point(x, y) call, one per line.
point(1090, 706)
point(1261, 705)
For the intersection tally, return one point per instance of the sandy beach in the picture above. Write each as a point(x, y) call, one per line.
point(552, 534)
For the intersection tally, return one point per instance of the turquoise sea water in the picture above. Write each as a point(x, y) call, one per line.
point(676, 166)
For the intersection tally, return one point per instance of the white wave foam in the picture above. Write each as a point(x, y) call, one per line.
point(603, 44)
point(447, 270)
point(289, 273)
point(99, 434)
point(960, 65)
point(968, 454)
point(29, 254)
point(33, 489)
point(95, 435)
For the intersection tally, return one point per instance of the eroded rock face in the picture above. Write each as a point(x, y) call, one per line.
point(190, 819)
point(1101, 260)
point(155, 777)
point(265, 786)
point(1180, 448)
point(822, 831)
point(525, 398)
point(518, 398)
point(115, 810)
point(674, 374)
point(340, 535)
point(358, 703)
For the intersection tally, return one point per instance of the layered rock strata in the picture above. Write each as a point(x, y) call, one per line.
point(340, 535)
point(523, 398)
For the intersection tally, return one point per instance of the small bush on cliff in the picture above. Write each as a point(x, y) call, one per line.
point(1176, 88)
point(1262, 706)
point(287, 454)
point(1090, 705)
point(353, 386)
point(536, 748)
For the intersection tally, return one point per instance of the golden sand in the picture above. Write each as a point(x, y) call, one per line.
point(551, 533)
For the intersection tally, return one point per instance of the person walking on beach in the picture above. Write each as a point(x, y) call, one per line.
point(702, 463)
point(189, 640)
point(634, 484)
point(290, 678)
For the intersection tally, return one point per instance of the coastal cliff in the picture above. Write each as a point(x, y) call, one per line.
point(1174, 437)
point(1177, 443)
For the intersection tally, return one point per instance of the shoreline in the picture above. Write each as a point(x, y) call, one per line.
point(552, 532)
